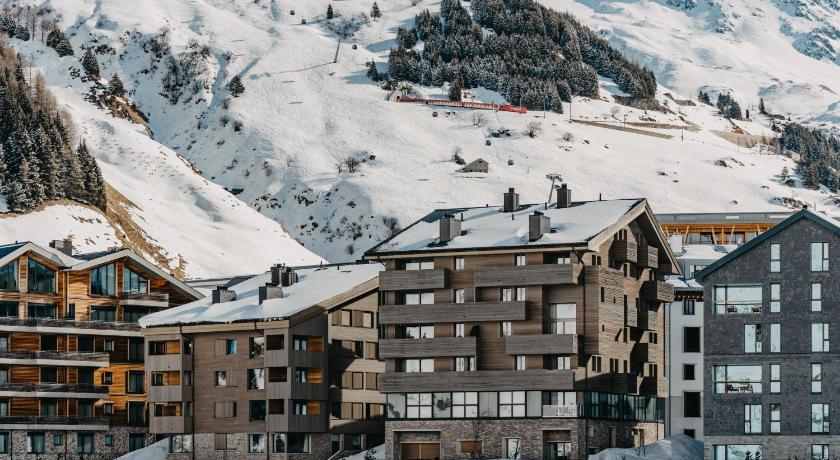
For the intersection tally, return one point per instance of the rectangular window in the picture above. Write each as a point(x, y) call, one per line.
point(41, 310)
point(419, 298)
point(35, 443)
point(519, 363)
point(465, 404)
point(737, 379)
point(103, 280)
point(256, 410)
point(692, 405)
point(9, 276)
point(555, 362)
point(256, 443)
point(85, 443)
point(816, 378)
point(418, 405)
point(775, 258)
point(221, 378)
point(688, 372)
point(157, 348)
point(464, 364)
point(133, 283)
point(520, 260)
point(135, 350)
point(507, 294)
point(816, 297)
point(256, 347)
point(505, 328)
point(103, 314)
point(511, 404)
point(688, 307)
point(458, 295)
point(775, 418)
point(181, 443)
point(752, 418)
point(416, 332)
point(459, 263)
point(459, 329)
point(421, 264)
point(775, 298)
point(819, 337)
point(819, 418)
point(521, 294)
point(135, 382)
point(562, 318)
point(256, 379)
point(819, 452)
point(136, 441)
point(775, 378)
point(737, 299)
point(819, 257)
point(418, 365)
point(775, 338)
point(230, 347)
point(691, 339)
point(512, 448)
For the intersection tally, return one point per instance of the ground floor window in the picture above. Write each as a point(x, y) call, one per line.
point(35, 443)
point(819, 452)
point(85, 443)
point(295, 443)
point(512, 448)
point(473, 448)
point(181, 443)
point(4, 443)
point(256, 443)
point(136, 441)
point(737, 451)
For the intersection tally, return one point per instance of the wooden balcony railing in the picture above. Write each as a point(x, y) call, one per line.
point(68, 323)
point(55, 355)
point(145, 299)
point(53, 420)
point(54, 387)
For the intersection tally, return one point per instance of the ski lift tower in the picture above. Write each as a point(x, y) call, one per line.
point(555, 179)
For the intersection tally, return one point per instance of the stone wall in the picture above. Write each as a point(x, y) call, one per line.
point(205, 449)
point(62, 445)
point(777, 447)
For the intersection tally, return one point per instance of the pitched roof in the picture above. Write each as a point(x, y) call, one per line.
point(829, 224)
point(314, 287)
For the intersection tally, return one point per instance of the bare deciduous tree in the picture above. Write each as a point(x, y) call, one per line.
point(533, 129)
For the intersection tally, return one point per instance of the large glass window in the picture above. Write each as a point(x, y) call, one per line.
point(563, 317)
point(133, 283)
point(257, 410)
point(256, 379)
point(103, 314)
point(422, 264)
point(41, 280)
point(9, 277)
point(819, 418)
point(511, 404)
point(418, 365)
point(752, 338)
point(737, 299)
point(8, 308)
point(819, 452)
point(752, 418)
point(103, 280)
point(465, 404)
point(819, 257)
point(135, 382)
point(298, 443)
point(416, 332)
point(85, 443)
point(35, 442)
point(418, 405)
point(737, 451)
point(737, 379)
point(41, 310)
point(419, 298)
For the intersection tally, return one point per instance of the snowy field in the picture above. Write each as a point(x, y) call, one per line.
point(301, 115)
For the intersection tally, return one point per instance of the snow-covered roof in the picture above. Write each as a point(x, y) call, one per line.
point(314, 286)
point(707, 252)
point(489, 227)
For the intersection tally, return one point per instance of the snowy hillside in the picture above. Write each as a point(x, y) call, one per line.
point(787, 52)
point(277, 147)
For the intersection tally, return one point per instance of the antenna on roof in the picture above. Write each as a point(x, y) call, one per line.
point(555, 179)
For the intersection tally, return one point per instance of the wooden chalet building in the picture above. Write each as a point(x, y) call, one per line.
point(72, 383)
point(524, 331)
point(282, 364)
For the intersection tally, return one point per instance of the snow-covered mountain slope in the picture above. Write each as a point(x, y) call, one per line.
point(786, 51)
point(278, 145)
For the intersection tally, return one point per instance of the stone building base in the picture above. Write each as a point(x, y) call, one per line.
point(204, 447)
point(534, 434)
point(62, 445)
point(776, 446)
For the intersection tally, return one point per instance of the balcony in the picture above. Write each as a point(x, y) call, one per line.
point(54, 358)
point(169, 393)
point(69, 326)
point(452, 313)
point(152, 299)
point(527, 275)
point(56, 423)
point(625, 382)
point(52, 390)
point(295, 390)
point(405, 280)
point(541, 344)
point(648, 320)
point(534, 379)
point(427, 348)
point(170, 424)
point(297, 423)
point(641, 352)
point(625, 251)
point(168, 362)
point(648, 256)
point(658, 291)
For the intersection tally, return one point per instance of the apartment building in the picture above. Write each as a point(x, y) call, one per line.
point(524, 331)
point(697, 240)
point(279, 365)
point(770, 367)
point(72, 383)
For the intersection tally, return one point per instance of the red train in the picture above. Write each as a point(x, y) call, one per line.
point(469, 105)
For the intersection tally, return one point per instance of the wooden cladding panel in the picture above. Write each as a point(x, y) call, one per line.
point(527, 275)
point(453, 313)
point(420, 348)
point(535, 379)
point(24, 374)
point(24, 406)
point(25, 341)
point(402, 280)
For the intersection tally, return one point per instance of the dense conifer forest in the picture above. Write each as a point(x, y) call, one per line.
point(532, 55)
point(819, 152)
point(40, 157)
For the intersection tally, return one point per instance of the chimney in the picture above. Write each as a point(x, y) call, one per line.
point(222, 294)
point(283, 276)
point(450, 227)
point(65, 246)
point(511, 202)
point(270, 292)
point(538, 225)
point(564, 197)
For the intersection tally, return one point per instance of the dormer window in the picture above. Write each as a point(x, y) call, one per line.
point(103, 280)
point(133, 283)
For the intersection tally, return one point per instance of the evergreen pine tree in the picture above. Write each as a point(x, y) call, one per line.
point(373, 72)
point(115, 86)
point(94, 184)
point(90, 64)
point(455, 89)
point(761, 108)
point(375, 13)
point(330, 13)
point(235, 86)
